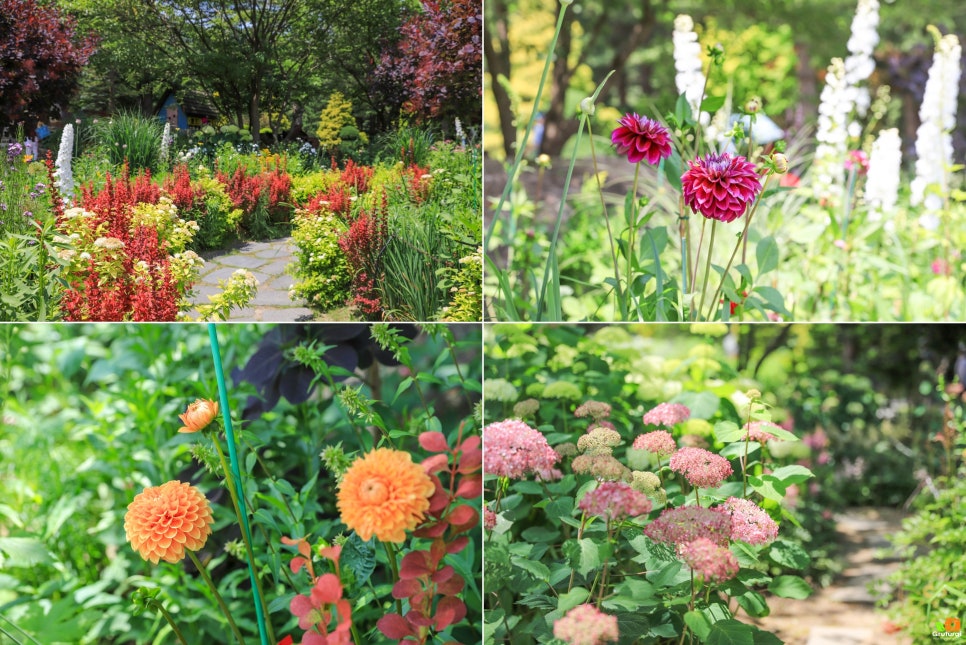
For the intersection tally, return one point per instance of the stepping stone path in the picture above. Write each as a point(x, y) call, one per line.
point(268, 261)
point(844, 613)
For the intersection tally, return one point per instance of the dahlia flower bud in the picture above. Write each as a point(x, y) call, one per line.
point(753, 106)
point(198, 415)
point(781, 163)
point(587, 106)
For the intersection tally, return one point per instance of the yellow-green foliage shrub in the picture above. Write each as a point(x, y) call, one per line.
point(336, 115)
point(321, 272)
point(305, 187)
point(219, 220)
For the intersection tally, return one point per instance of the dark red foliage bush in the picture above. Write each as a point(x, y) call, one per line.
point(41, 57)
point(363, 244)
point(356, 176)
point(178, 186)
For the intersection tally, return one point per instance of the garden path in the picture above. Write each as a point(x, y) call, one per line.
point(267, 260)
point(844, 613)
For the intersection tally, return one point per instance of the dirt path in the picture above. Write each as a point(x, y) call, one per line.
point(844, 613)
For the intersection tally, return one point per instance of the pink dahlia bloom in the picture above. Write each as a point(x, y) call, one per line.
point(513, 449)
point(687, 523)
point(660, 442)
point(585, 625)
point(720, 186)
point(703, 469)
point(711, 561)
point(749, 523)
point(614, 500)
point(667, 414)
point(641, 138)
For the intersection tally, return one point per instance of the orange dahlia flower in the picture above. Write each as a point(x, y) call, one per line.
point(164, 520)
point(198, 415)
point(384, 494)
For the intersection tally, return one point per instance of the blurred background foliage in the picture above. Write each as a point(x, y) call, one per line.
point(775, 49)
point(90, 417)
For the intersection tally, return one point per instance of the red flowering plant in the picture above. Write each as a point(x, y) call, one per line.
point(665, 525)
point(128, 258)
point(363, 245)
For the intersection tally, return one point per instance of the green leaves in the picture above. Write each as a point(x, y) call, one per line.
point(790, 587)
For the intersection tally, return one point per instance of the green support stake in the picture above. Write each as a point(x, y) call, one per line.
point(235, 471)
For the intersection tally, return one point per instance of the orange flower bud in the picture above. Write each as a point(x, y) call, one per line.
point(198, 415)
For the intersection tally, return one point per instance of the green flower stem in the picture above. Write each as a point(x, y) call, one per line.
point(265, 631)
point(522, 145)
point(742, 241)
point(218, 598)
point(391, 555)
point(11, 636)
point(610, 233)
point(168, 617)
point(707, 266)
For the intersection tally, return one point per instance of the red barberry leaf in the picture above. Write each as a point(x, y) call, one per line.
point(395, 627)
point(435, 463)
point(415, 564)
point(471, 487)
point(433, 442)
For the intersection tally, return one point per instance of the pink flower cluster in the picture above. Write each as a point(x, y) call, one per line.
point(703, 469)
point(667, 414)
point(489, 519)
point(660, 442)
point(757, 431)
point(615, 500)
point(711, 561)
point(595, 409)
point(687, 523)
point(749, 523)
point(585, 625)
point(513, 449)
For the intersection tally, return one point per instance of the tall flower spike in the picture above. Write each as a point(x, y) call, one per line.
point(832, 134)
point(934, 144)
point(687, 62)
point(720, 186)
point(65, 176)
point(882, 185)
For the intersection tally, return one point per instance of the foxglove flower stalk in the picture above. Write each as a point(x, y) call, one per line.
point(859, 64)
point(687, 62)
point(64, 174)
point(937, 115)
point(832, 134)
point(882, 185)
point(165, 143)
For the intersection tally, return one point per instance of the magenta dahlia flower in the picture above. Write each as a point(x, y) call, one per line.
point(641, 138)
point(720, 186)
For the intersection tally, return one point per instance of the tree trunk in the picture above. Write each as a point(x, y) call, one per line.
point(254, 116)
point(498, 64)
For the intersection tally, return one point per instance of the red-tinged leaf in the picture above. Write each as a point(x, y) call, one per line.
point(451, 587)
point(433, 442)
point(437, 551)
point(443, 574)
point(470, 487)
point(314, 638)
point(302, 543)
point(470, 462)
point(419, 619)
point(470, 444)
point(415, 564)
point(439, 501)
point(449, 610)
point(458, 544)
point(435, 463)
point(406, 588)
point(298, 563)
point(463, 515)
point(432, 531)
point(395, 627)
point(286, 641)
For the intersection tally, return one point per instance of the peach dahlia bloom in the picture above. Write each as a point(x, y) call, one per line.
point(384, 494)
point(164, 520)
point(198, 415)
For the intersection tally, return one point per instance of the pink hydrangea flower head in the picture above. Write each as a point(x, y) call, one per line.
point(702, 468)
point(667, 414)
point(513, 449)
point(713, 562)
point(687, 523)
point(758, 431)
point(615, 500)
point(597, 410)
point(602, 466)
point(660, 442)
point(489, 519)
point(720, 186)
point(585, 625)
point(640, 138)
point(599, 441)
point(749, 523)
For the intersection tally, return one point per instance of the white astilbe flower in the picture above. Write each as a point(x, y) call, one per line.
point(165, 143)
point(687, 62)
point(934, 144)
point(859, 64)
point(832, 134)
point(64, 174)
point(882, 185)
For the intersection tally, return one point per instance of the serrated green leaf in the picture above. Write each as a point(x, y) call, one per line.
point(703, 405)
point(754, 604)
point(698, 623)
point(731, 632)
point(359, 557)
point(22, 551)
point(538, 570)
point(727, 432)
point(712, 104)
point(572, 598)
point(789, 554)
point(767, 254)
point(793, 474)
